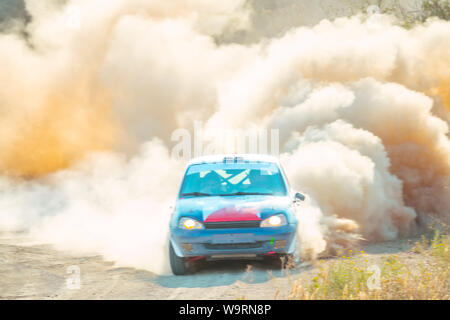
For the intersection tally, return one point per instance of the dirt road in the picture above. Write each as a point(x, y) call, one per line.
point(40, 272)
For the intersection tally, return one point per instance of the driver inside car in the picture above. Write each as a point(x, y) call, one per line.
point(211, 184)
point(258, 181)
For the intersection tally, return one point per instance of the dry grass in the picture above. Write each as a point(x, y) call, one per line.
point(423, 273)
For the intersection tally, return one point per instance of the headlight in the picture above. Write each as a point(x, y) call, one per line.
point(274, 221)
point(189, 224)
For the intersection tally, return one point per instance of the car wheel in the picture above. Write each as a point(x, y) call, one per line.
point(281, 261)
point(177, 264)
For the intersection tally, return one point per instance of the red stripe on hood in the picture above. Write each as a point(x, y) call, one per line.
point(232, 214)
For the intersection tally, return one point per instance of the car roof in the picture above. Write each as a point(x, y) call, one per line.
point(234, 157)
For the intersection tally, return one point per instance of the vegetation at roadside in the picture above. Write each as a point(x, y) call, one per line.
point(421, 273)
point(409, 13)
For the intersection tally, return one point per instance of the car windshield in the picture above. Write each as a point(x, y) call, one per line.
point(227, 179)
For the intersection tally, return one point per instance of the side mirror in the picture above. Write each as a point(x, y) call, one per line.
point(299, 197)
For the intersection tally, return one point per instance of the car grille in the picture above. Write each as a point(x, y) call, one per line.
point(232, 224)
point(225, 246)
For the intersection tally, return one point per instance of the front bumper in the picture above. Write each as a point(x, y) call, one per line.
point(234, 243)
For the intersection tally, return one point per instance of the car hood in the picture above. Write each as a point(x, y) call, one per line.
point(232, 208)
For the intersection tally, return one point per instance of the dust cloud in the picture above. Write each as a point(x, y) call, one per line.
point(91, 93)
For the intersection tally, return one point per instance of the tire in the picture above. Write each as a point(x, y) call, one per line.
point(177, 264)
point(281, 261)
point(273, 261)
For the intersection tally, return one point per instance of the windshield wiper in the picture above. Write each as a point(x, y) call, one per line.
point(241, 193)
point(196, 194)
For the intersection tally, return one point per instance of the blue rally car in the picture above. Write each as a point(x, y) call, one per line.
point(232, 207)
